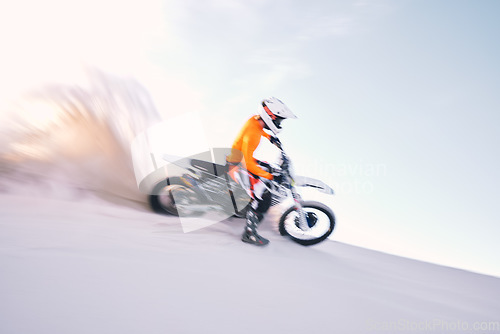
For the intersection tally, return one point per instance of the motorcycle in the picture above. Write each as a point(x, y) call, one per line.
point(207, 187)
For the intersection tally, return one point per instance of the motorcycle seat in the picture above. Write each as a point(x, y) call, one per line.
point(210, 167)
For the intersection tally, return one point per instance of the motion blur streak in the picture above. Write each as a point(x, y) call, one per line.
point(76, 138)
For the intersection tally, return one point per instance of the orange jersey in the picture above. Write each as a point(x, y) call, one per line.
point(245, 144)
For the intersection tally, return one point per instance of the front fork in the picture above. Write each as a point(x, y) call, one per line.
point(298, 206)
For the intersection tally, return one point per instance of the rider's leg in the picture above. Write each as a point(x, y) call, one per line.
point(255, 214)
point(259, 204)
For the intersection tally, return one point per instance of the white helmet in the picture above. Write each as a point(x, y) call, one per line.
point(273, 112)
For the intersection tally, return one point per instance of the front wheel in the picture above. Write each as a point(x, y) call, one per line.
point(320, 221)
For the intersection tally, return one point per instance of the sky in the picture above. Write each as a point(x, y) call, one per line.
point(397, 101)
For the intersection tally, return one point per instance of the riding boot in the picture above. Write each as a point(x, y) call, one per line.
point(250, 234)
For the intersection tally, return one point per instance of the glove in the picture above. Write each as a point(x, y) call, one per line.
point(275, 141)
point(277, 177)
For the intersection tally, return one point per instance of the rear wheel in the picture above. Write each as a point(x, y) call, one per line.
point(162, 197)
point(320, 221)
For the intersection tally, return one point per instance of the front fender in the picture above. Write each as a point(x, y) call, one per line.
point(304, 181)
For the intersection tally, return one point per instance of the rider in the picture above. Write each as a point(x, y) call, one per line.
point(271, 113)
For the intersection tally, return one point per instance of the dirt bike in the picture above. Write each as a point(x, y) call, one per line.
point(207, 187)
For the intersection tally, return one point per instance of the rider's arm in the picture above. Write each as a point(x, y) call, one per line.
point(250, 143)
